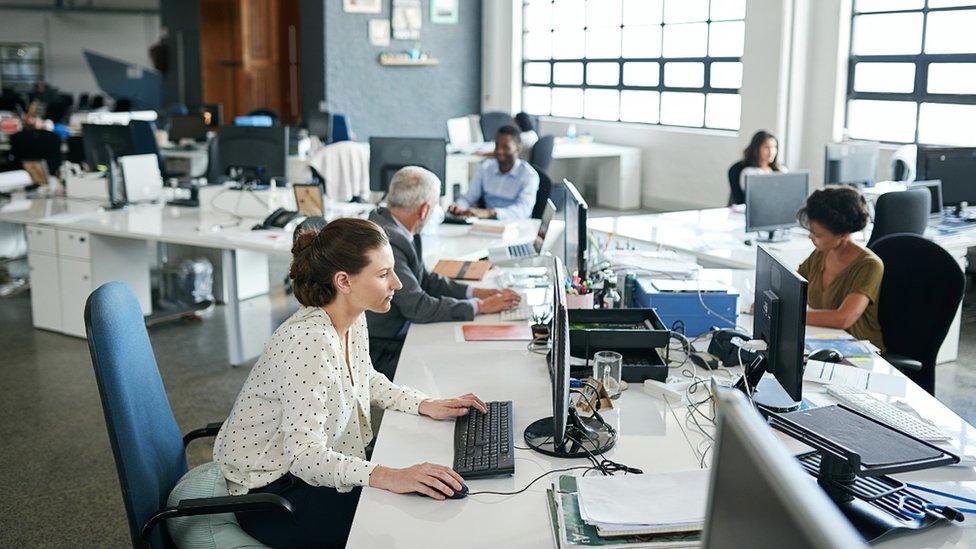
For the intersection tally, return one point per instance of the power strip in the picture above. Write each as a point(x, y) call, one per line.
point(666, 391)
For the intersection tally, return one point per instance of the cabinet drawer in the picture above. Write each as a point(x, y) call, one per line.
point(74, 244)
point(45, 291)
point(76, 284)
point(41, 239)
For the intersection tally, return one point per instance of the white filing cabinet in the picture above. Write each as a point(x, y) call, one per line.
point(66, 266)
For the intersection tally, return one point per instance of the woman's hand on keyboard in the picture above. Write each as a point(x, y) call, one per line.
point(448, 408)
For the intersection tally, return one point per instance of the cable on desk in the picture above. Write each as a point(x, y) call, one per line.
point(536, 479)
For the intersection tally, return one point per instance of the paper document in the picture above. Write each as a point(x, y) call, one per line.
point(829, 373)
point(661, 499)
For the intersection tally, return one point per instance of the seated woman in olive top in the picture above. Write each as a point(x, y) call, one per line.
point(844, 278)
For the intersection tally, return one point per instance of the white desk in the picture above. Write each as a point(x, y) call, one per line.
point(120, 238)
point(617, 173)
point(717, 238)
point(651, 436)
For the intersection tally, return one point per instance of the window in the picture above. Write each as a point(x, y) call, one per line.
point(912, 72)
point(21, 64)
point(670, 62)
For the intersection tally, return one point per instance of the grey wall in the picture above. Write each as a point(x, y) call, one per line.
point(312, 48)
point(181, 21)
point(402, 101)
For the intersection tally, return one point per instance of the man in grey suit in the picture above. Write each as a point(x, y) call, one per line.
point(425, 296)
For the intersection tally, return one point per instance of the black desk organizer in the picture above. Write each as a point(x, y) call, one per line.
point(867, 496)
point(637, 345)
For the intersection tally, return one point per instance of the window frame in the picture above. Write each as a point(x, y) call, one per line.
point(921, 61)
point(661, 88)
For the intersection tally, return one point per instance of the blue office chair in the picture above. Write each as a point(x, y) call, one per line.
point(146, 442)
point(492, 121)
point(541, 155)
point(340, 128)
point(542, 195)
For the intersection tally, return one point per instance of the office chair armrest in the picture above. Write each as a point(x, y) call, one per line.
point(902, 362)
point(214, 506)
point(210, 430)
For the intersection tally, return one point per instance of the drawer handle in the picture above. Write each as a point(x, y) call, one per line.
point(81, 239)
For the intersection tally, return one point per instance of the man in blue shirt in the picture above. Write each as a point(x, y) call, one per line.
point(505, 185)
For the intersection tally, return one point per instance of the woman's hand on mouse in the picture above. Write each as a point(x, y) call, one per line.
point(448, 408)
point(429, 479)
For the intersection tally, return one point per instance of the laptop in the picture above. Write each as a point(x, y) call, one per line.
point(526, 250)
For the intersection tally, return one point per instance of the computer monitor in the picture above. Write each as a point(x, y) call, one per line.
point(106, 142)
point(212, 114)
point(934, 187)
point(547, 214)
point(575, 211)
point(759, 496)
point(251, 153)
point(254, 121)
point(319, 124)
point(851, 164)
point(389, 154)
point(772, 201)
point(191, 126)
point(954, 166)
point(780, 321)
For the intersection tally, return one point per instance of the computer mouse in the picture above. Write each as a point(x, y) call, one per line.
point(826, 355)
point(460, 494)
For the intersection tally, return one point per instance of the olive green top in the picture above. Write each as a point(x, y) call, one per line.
point(862, 276)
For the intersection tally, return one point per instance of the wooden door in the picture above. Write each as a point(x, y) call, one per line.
point(220, 54)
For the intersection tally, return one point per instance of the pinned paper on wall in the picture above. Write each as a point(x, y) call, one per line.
point(362, 6)
point(444, 12)
point(407, 18)
point(379, 32)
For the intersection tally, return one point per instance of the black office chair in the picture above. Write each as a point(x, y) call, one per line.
point(84, 101)
point(901, 212)
point(76, 149)
point(33, 144)
point(921, 291)
point(492, 121)
point(310, 223)
point(275, 119)
point(543, 194)
point(213, 163)
point(737, 194)
point(541, 155)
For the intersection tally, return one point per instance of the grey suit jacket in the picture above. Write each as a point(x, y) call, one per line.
point(425, 296)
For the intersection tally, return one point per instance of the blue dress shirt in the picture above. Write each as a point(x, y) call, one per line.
point(511, 194)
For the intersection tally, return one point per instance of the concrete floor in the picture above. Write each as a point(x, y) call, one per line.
point(59, 485)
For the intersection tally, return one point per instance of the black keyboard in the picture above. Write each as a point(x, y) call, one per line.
point(452, 219)
point(483, 444)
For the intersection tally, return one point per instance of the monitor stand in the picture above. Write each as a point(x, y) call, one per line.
point(776, 235)
point(767, 393)
point(585, 436)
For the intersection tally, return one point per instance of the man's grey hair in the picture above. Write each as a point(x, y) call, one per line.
point(412, 187)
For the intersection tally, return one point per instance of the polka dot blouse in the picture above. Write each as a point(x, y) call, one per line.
point(301, 412)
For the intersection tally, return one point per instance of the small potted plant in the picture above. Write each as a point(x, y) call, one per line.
point(540, 327)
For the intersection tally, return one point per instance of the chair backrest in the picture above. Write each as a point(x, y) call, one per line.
point(145, 438)
point(33, 144)
point(921, 291)
point(543, 194)
point(492, 121)
point(213, 162)
point(340, 128)
point(736, 194)
point(901, 212)
point(311, 223)
point(541, 155)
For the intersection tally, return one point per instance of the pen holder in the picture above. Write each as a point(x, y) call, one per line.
point(575, 301)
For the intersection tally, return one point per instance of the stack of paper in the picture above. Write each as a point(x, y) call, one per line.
point(491, 227)
point(663, 263)
point(651, 503)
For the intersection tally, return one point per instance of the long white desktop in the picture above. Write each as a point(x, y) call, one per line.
point(716, 237)
point(652, 436)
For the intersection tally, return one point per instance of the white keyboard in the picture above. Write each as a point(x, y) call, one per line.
point(524, 311)
point(886, 413)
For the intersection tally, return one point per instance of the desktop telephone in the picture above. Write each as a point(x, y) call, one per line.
point(277, 220)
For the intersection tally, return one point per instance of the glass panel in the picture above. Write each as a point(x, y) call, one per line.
point(951, 32)
point(684, 75)
point(537, 16)
point(603, 43)
point(567, 74)
point(567, 102)
point(685, 11)
point(642, 12)
point(603, 13)
point(881, 120)
point(688, 40)
point(724, 10)
point(602, 104)
point(642, 74)
point(642, 42)
point(536, 73)
point(722, 110)
point(535, 100)
point(682, 109)
point(950, 3)
point(947, 124)
point(888, 33)
point(726, 39)
point(568, 44)
point(537, 45)
point(884, 77)
point(888, 5)
point(639, 106)
point(568, 14)
point(952, 78)
point(603, 74)
point(726, 75)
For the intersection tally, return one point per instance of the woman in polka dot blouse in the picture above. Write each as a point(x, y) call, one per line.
point(300, 426)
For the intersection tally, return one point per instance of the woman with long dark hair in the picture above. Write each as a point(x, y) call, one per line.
point(761, 156)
